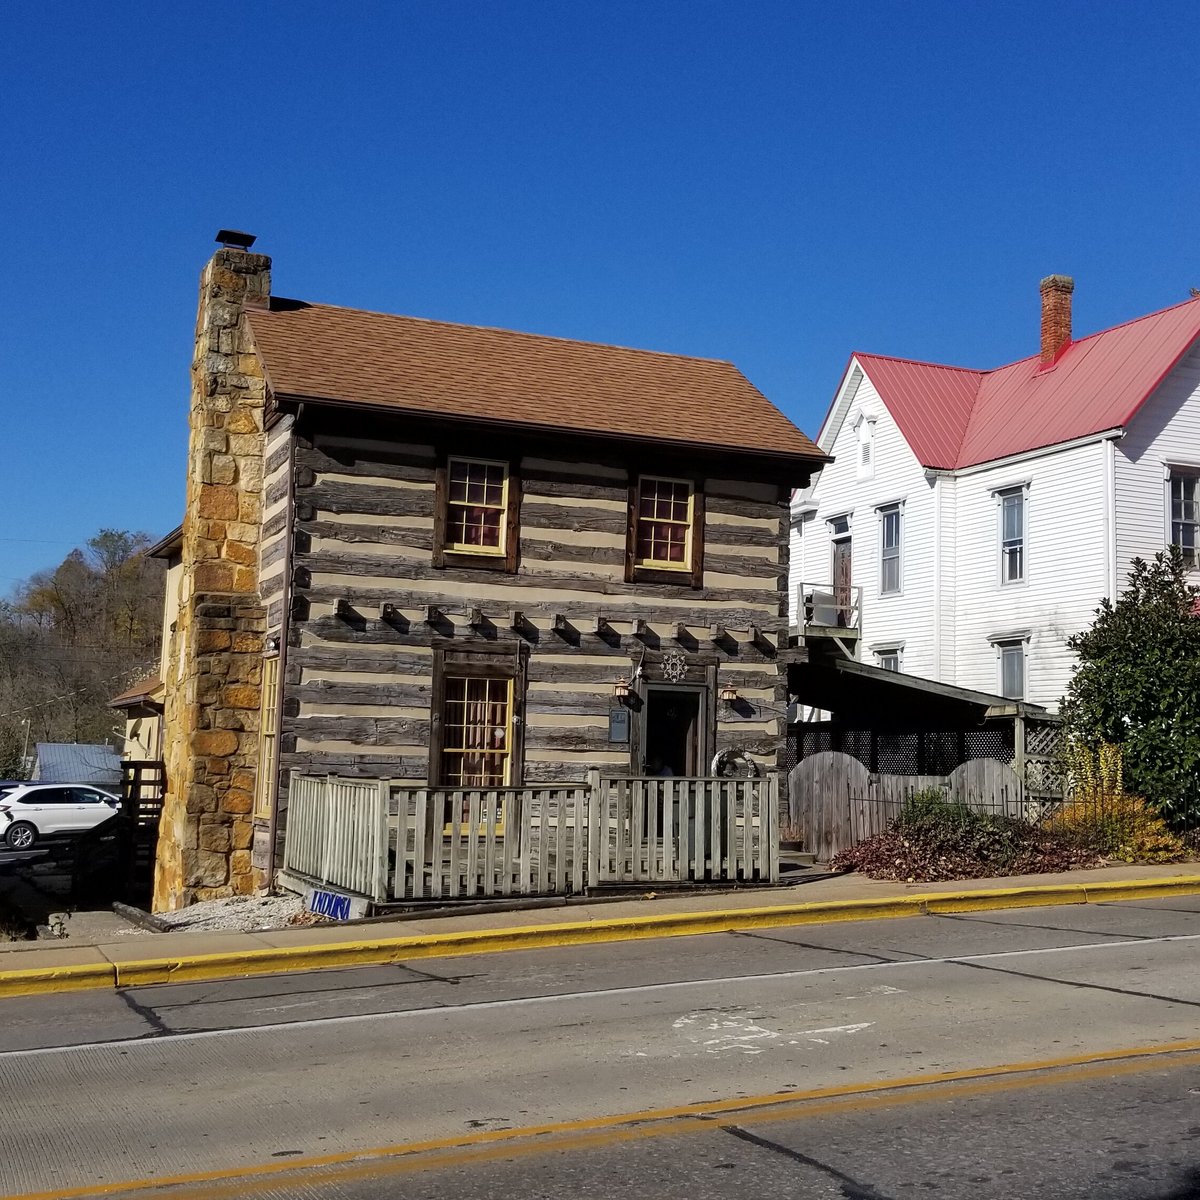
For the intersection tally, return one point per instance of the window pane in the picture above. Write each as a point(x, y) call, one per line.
point(663, 522)
point(476, 731)
point(1185, 515)
point(1012, 517)
point(1012, 670)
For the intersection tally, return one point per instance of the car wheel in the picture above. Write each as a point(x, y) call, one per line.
point(21, 836)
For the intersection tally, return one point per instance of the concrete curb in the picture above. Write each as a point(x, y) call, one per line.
point(382, 951)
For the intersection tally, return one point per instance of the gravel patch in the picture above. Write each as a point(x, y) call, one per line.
point(243, 914)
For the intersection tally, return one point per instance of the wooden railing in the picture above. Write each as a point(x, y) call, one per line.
point(657, 830)
point(829, 607)
point(337, 833)
point(386, 840)
point(488, 842)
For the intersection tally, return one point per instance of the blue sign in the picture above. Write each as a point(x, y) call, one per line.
point(329, 904)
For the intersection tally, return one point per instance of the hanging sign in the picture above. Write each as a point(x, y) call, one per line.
point(618, 725)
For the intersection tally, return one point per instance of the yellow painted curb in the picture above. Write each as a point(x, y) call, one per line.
point(79, 977)
point(382, 951)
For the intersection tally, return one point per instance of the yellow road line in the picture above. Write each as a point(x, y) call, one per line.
point(383, 951)
point(657, 1122)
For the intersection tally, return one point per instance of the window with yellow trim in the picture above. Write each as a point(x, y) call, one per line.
point(268, 740)
point(477, 731)
point(476, 506)
point(663, 532)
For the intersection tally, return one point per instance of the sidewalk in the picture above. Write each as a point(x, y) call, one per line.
point(141, 958)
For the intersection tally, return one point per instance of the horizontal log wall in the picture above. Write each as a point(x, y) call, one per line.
point(359, 682)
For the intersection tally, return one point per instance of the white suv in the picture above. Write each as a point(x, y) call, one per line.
point(30, 811)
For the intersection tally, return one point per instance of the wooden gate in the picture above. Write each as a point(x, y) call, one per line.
point(834, 802)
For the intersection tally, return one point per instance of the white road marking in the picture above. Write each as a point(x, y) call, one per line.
point(575, 997)
point(740, 1030)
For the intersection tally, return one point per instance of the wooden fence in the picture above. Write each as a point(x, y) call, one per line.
point(337, 833)
point(388, 841)
point(656, 830)
point(834, 802)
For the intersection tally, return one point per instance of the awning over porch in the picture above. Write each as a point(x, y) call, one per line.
point(871, 697)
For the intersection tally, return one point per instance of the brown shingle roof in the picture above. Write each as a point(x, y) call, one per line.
point(494, 375)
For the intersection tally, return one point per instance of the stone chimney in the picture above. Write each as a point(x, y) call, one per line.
point(1056, 315)
point(214, 681)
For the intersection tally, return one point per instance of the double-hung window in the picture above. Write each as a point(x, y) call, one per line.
point(476, 505)
point(890, 534)
point(476, 515)
point(666, 523)
point(1012, 502)
point(1011, 653)
point(1185, 514)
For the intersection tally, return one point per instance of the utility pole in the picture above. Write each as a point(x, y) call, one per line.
point(25, 749)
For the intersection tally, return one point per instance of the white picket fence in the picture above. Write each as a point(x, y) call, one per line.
point(389, 841)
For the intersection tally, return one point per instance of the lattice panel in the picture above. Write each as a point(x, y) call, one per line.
point(1044, 739)
point(896, 754)
point(941, 753)
point(1045, 776)
point(994, 742)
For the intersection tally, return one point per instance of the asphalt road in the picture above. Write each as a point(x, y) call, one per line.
point(1054, 1051)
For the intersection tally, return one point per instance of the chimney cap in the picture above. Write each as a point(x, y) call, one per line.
point(235, 239)
point(1057, 283)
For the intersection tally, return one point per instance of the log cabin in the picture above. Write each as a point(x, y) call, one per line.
point(441, 553)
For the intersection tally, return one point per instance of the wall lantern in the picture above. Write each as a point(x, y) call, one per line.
point(621, 691)
point(728, 696)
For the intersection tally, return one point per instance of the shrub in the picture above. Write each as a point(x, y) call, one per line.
point(1121, 827)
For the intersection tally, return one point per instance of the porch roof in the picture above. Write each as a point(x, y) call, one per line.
point(872, 696)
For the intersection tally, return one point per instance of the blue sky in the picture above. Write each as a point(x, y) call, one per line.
point(772, 183)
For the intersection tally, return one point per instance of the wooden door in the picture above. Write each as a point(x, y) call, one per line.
point(843, 597)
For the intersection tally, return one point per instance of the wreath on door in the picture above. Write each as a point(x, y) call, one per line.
point(734, 764)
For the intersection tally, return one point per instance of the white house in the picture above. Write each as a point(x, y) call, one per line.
point(971, 521)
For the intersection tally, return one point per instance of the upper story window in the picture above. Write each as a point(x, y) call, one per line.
point(666, 524)
point(477, 504)
point(1013, 502)
point(1185, 514)
point(890, 533)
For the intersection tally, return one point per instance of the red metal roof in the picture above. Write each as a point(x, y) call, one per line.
point(956, 417)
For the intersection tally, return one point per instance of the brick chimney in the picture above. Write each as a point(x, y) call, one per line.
point(214, 681)
point(1056, 315)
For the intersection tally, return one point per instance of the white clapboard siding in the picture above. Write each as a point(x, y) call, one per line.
point(1065, 568)
point(897, 477)
point(1164, 433)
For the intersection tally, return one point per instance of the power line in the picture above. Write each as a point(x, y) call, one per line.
point(12, 712)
